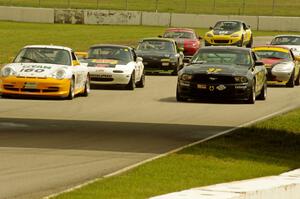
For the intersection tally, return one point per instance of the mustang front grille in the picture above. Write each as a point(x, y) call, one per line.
point(213, 79)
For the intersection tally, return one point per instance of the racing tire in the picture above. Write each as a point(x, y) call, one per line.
point(297, 82)
point(241, 44)
point(252, 96)
point(263, 93)
point(71, 90)
point(131, 84)
point(141, 83)
point(291, 82)
point(179, 98)
point(250, 44)
point(87, 87)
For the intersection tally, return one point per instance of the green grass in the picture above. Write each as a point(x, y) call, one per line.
point(267, 148)
point(240, 7)
point(13, 35)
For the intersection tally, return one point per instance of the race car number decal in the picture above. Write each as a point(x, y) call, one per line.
point(105, 61)
point(36, 69)
point(214, 70)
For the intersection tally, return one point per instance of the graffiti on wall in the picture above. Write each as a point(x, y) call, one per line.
point(68, 16)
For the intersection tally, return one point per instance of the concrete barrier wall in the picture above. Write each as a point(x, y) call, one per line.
point(112, 17)
point(279, 23)
point(156, 19)
point(78, 16)
point(38, 15)
point(195, 21)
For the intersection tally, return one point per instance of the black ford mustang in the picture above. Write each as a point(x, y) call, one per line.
point(223, 72)
point(160, 55)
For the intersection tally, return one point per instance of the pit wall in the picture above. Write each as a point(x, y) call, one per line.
point(113, 17)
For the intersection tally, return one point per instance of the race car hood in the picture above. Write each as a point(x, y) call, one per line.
point(271, 61)
point(35, 69)
point(154, 54)
point(184, 42)
point(104, 63)
point(223, 32)
point(216, 69)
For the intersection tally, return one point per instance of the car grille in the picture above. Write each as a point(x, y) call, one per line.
point(213, 79)
point(102, 79)
point(221, 41)
point(30, 90)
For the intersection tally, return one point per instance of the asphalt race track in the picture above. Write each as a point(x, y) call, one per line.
point(49, 145)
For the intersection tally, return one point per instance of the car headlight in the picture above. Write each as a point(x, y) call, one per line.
point(209, 35)
point(5, 72)
point(283, 68)
point(186, 77)
point(59, 74)
point(241, 79)
point(235, 35)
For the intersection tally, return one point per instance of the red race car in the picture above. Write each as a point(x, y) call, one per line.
point(186, 38)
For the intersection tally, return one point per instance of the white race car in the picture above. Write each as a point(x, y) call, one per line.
point(289, 41)
point(115, 65)
point(45, 71)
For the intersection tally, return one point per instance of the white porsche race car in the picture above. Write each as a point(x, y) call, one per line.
point(115, 65)
point(45, 71)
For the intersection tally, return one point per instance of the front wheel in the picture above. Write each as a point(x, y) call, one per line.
point(252, 96)
point(131, 84)
point(291, 82)
point(297, 82)
point(141, 83)
point(71, 90)
point(87, 87)
point(179, 98)
point(263, 92)
point(249, 45)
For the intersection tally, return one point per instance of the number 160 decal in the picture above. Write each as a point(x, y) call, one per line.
point(29, 70)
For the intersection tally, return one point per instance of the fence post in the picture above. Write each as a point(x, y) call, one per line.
point(214, 7)
point(273, 7)
point(156, 6)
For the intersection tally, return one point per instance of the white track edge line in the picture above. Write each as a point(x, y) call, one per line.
point(172, 151)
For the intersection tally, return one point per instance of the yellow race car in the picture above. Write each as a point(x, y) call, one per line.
point(232, 33)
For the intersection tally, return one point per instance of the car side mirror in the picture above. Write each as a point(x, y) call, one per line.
point(297, 58)
point(200, 38)
point(75, 63)
point(210, 28)
point(139, 59)
point(248, 26)
point(259, 63)
point(181, 49)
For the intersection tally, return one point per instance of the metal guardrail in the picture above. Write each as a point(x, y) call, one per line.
point(235, 7)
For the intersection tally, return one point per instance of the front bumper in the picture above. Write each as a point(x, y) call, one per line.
point(109, 78)
point(153, 65)
point(34, 86)
point(239, 91)
point(274, 77)
point(221, 40)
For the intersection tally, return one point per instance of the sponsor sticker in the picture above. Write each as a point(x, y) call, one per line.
point(201, 86)
point(30, 85)
point(213, 70)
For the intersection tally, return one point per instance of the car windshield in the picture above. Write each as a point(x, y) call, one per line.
point(183, 35)
point(110, 52)
point(263, 54)
point(286, 40)
point(156, 45)
point(228, 26)
point(222, 57)
point(44, 55)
